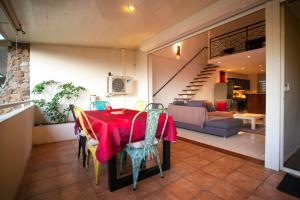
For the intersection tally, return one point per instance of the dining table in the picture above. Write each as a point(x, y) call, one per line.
point(112, 128)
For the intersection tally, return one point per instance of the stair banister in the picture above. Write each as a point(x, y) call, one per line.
point(182, 68)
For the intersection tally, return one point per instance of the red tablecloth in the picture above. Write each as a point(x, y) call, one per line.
point(113, 130)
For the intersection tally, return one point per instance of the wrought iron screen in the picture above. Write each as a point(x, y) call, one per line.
point(243, 39)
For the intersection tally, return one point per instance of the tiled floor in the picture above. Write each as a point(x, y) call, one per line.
point(196, 173)
point(249, 144)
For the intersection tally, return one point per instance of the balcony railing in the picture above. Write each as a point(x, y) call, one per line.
point(243, 39)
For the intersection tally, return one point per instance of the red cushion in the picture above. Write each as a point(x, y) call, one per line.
point(221, 106)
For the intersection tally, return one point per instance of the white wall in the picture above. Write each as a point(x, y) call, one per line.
point(207, 91)
point(292, 74)
point(87, 67)
point(15, 148)
point(142, 81)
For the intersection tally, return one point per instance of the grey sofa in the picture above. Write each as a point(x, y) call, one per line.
point(196, 118)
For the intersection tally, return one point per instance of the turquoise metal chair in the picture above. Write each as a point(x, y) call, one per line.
point(102, 105)
point(138, 151)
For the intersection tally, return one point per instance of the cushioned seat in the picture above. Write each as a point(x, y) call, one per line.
point(223, 127)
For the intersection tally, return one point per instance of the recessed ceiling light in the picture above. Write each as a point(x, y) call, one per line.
point(129, 8)
point(260, 65)
point(228, 70)
point(262, 70)
point(243, 68)
point(248, 56)
point(219, 62)
point(2, 37)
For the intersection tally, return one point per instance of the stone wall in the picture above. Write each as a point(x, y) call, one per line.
point(16, 87)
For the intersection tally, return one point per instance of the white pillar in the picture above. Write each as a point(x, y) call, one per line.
point(273, 86)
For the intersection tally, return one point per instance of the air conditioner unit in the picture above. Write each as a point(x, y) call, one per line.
point(119, 85)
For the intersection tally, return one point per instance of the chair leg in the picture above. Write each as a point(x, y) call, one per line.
point(79, 146)
point(122, 161)
point(88, 161)
point(159, 165)
point(97, 170)
point(136, 163)
point(83, 144)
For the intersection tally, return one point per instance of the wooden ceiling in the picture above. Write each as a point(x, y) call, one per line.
point(99, 22)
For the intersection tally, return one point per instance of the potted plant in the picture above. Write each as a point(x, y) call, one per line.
point(53, 98)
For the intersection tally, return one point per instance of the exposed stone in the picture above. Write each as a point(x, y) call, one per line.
point(16, 86)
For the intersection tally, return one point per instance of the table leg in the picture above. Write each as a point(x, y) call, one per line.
point(115, 183)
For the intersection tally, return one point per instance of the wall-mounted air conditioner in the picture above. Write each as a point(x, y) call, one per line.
point(119, 85)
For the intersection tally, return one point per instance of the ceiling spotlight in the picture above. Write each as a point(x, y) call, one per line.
point(260, 65)
point(178, 52)
point(248, 56)
point(129, 8)
point(243, 68)
point(219, 62)
point(262, 70)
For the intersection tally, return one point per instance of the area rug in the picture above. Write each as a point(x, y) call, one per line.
point(290, 185)
point(259, 129)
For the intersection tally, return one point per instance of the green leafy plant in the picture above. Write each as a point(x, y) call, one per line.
point(60, 97)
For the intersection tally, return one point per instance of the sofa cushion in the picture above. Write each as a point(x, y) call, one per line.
point(228, 103)
point(221, 106)
point(224, 123)
point(179, 103)
point(209, 106)
point(195, 103)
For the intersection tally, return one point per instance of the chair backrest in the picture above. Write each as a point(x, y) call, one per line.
point(101, 105)
point(151, 127)
point(154, 106)
point(81, 115)
point(139, 105)
point(71, 107)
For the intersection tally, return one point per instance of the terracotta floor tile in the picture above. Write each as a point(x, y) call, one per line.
point(254, 171)
point(203, 180)
point(196, 161)
point(81, 190)
point(41, 186)
point(121, 194)
point(254, 197)
point(182, 169)
point(268, 191)
point(41, 173)
point(71, 178)
point(169, 177)
point(146, 186)
point(183, 189)
point(210, 155)
point(275, 179)
point(206, 195)
point(229, 191)
point(161, 194)
point(53, 195)
point(243, 181)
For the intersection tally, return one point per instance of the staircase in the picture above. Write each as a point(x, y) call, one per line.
point(197, 83)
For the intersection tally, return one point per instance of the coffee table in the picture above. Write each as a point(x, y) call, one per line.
point(251, 117)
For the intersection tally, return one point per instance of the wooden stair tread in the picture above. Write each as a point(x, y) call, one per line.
point(191, 94)
point(197, 81)
point(204, 74)
point(208, 70)
point(194, 85)
point(211, 67)
point(202, 77)
point(190, 90)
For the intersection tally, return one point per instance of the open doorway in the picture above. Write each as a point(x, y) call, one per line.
point(226, 64)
